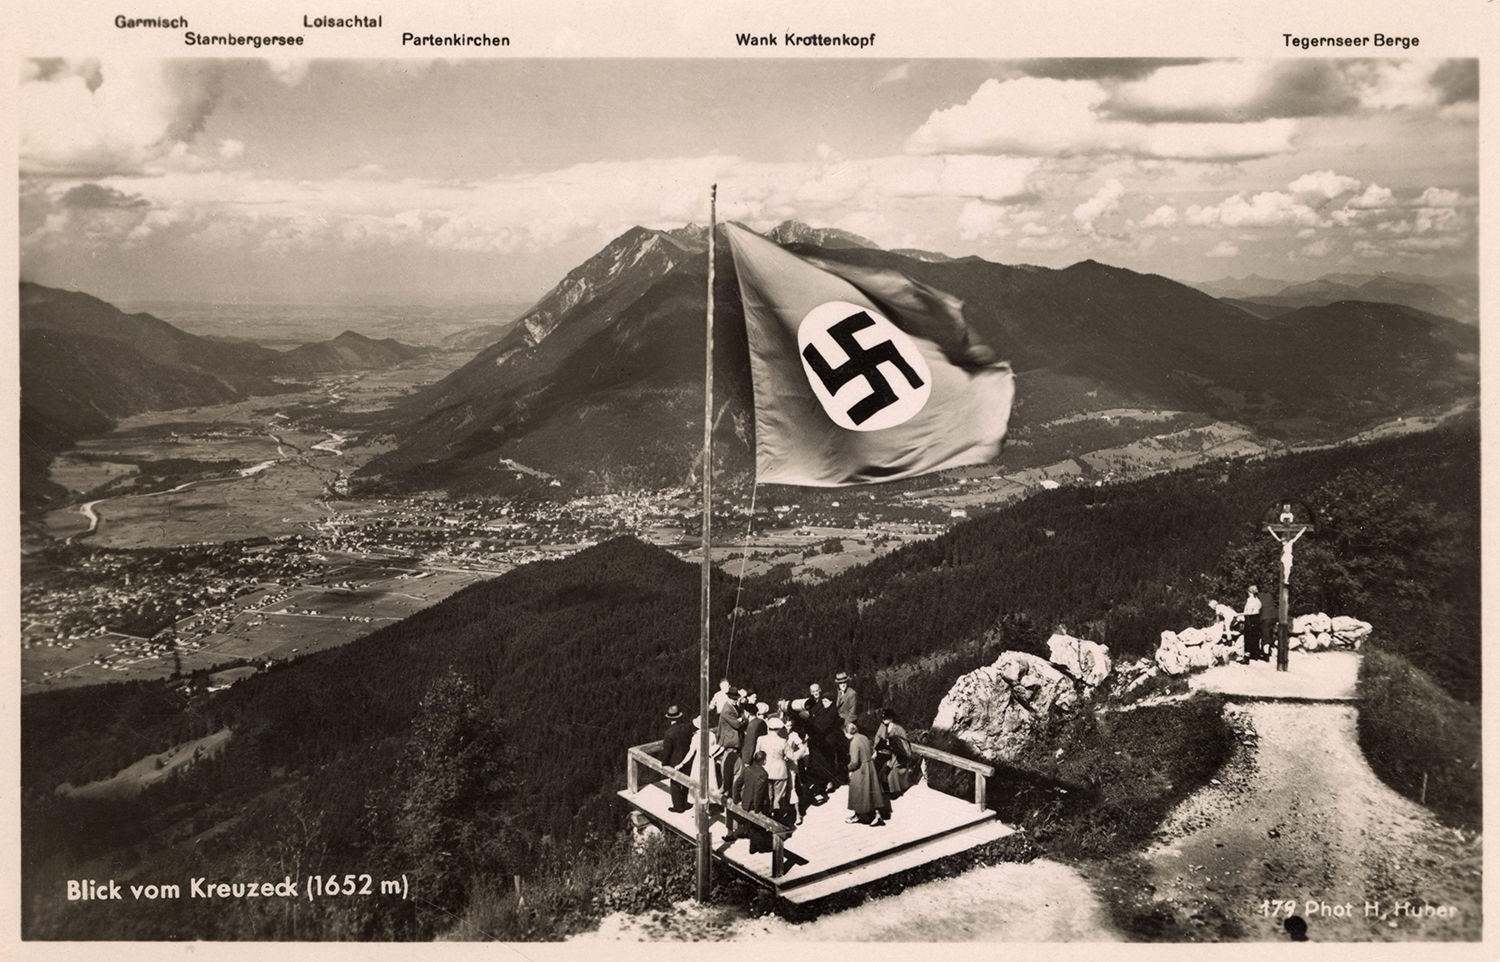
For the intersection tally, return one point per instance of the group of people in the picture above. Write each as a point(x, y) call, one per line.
point(1257, 623)
point(779, 760)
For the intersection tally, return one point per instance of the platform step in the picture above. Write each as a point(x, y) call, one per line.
point(899, 861)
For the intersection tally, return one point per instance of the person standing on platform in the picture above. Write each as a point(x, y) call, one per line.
point(898, 769)
point(774, 745)
point(755, 796)
point(847, 701)
point(1251, 622)
point(866, 799)
point(730, 735)
point(1268, 624)
point(755, 727)
point(721, 698)
point(677, 742)
point(829, 732)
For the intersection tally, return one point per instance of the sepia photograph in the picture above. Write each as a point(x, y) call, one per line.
point(615, 501)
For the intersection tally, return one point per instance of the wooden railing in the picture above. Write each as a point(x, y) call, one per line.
point(645, 756)
point(982, 772)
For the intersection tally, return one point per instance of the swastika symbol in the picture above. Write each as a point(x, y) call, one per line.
point(862, 362)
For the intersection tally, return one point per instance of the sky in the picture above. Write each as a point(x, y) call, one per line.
point(489, 179)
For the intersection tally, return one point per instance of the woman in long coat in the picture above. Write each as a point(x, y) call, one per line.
point(866, 798)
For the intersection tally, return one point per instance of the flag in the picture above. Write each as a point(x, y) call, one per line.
point(861, 373)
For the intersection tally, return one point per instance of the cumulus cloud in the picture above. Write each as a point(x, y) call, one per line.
point(1223, 249)
point(1164, 216)
point(1036, 117)
point(1323, 183)
point(1106, 199)
point(897, 74)
point(1271, 208)
point(231, 149)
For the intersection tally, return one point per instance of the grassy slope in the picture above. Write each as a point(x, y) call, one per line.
point(1410, 728)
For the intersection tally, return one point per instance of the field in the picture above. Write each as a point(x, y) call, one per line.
point(272, 623)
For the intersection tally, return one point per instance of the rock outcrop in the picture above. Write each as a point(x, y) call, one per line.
point(1086, 661)
point(996, 710)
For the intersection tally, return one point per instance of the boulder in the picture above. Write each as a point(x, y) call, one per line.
point(1350, 632)
point(1201, 656)
point(1200, 636)
point(1311, 624)
point(996, 710)
point(1087, 661)
point(1172, 654)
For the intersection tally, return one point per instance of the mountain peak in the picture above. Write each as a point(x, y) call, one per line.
point(796, 232)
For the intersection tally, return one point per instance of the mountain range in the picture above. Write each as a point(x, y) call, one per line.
point(1455, 296)
point(600, 384)
point(84, 363)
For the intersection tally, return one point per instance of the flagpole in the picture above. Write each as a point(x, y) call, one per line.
point(705, 868)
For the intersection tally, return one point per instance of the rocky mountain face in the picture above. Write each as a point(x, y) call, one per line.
point(601, 383)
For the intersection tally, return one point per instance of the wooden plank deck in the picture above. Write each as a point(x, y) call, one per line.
point(826, 855)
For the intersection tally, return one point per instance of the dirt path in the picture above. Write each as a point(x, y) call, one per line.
point(1297, 823)
point(1039, 901)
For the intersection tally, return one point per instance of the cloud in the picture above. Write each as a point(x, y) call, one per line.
point(1456, 81)
point(1323, 183)
point(1164, 216)
point(897, 74)
point(95, 196)
point(231, 149)
point(1236, 91)
point(1266, 209)
point(87, 120)
point(1035, 117)
point(1053, 243)
point(1318, 248)
point(1097, 68)
point(1106, 199)
point(1223, 249)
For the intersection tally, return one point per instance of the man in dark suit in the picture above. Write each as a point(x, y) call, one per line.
point(846, 701)
point(731, 728)
point(1268, 624)
point(676, 743)
point(755, 795)
point(755, 726)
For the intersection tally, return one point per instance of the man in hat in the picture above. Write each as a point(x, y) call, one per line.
point(676, 743)
point(730, 734)
point(846, 699)
point(755, 727)
point(847, 702)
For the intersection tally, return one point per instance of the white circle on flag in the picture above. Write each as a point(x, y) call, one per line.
point(866, 372)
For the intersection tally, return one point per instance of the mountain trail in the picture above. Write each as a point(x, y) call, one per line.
point(1296, 823)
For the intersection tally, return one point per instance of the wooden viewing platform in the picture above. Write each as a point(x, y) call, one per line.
point(825, 854)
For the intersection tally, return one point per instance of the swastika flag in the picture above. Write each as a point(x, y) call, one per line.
point(861, 373)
